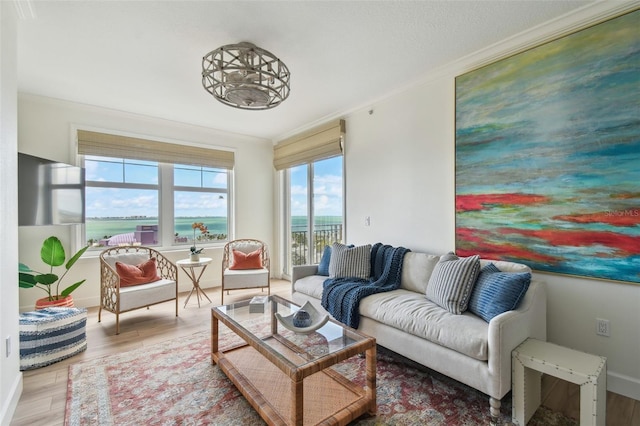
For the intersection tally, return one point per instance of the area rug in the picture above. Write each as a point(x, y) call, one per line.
point(174, 383)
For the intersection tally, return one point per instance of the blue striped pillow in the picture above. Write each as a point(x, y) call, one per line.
point(350, 261)
point(451, 282)
point(496, 292)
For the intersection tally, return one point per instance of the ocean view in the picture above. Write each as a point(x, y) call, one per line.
point(100, 228)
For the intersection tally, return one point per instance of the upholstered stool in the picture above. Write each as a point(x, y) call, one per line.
point(50, 335)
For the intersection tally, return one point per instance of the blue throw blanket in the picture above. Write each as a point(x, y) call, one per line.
point(341, 296)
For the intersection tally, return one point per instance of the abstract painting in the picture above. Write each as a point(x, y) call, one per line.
point(548, 155)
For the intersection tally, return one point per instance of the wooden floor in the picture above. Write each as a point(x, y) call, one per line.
point(45, 389)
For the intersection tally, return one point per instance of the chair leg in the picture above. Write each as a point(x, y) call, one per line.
point(117, 323)
point(100, 313)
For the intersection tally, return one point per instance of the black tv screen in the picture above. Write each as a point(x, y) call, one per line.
point(49, 192)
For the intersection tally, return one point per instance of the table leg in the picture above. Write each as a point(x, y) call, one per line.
point(593, 397)
point(525, 392)
point(196, 284)
point(297, 390)
point(214, 338)
point(198, 288)
point(189, 297)
point(371, 379)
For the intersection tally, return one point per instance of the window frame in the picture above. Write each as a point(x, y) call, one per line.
point(286, 255)
point(166, 215)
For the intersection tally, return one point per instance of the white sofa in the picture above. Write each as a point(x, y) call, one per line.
point(463, 347)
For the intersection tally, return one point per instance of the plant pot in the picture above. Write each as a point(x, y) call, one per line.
point(194, 257)
point(63, 302)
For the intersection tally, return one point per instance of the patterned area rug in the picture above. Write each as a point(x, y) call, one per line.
point(174, 383)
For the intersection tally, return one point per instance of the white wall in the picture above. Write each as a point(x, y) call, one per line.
point(46, 129)
point(10, 375)
point(399, 159)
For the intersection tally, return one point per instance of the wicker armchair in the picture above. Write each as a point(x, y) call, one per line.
point(233, 279)
point(117, 299)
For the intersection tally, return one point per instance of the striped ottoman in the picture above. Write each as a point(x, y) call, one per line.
point(50, 335)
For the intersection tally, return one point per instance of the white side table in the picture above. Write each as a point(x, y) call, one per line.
point(189, 268)
point(534, 357)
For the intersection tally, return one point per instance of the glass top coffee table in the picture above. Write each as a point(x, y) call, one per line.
point(286, 376)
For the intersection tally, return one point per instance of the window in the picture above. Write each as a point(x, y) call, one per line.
point(313, 188)
point(315, 206)
point(200, 195)
point(122, 202)
point(121, 197)
point(151, 193)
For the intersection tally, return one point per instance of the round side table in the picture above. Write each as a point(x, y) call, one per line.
point(189, 268)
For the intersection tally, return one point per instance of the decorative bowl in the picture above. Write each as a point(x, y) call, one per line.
point(313, 318)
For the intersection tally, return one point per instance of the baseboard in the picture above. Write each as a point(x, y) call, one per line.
point(10, 404)
point(623, 385)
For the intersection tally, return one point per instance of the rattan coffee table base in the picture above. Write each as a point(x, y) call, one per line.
point(289, 378)
point(328, 397)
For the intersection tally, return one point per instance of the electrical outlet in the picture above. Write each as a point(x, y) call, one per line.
point(602, 327)
point(367, 221)
point(7, 343)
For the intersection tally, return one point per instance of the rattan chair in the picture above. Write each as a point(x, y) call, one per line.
point(245, 278)
point(117, 299)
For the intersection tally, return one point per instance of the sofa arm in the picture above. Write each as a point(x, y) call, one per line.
point(510, 329)
point(302, 271)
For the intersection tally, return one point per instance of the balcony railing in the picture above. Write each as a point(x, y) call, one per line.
point(323, 235)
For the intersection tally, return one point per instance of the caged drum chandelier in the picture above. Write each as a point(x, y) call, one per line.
point(245, 76)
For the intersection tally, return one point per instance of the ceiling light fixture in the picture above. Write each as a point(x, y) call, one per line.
point(245, 76)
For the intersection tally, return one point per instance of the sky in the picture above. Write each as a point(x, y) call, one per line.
point(327, 184)
point(117, 202)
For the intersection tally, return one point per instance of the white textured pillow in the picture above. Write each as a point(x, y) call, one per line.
point(416, 271)
point(350, 261)
point(452, 281)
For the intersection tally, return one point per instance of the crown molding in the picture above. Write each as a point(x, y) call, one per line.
point(579, 19)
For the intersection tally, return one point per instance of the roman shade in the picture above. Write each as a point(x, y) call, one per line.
point(106, 145)
point(319, 143)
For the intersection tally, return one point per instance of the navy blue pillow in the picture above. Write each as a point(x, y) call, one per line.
point(496, 292)
point(323, 266)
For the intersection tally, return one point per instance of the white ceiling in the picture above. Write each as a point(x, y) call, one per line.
point(145, 56)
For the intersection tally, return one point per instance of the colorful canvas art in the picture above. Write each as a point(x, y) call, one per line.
point(548, 155)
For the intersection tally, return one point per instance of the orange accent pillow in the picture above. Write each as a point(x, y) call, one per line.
point(243, 260)
point(146, 272)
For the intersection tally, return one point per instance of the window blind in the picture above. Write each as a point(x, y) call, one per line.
point(107, 145)
point(319, 143)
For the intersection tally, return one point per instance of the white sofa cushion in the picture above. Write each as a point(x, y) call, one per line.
point(416, 271)
point(245, 278)
point(311, 285)
point(505, 266)
point(411, 312)
point(146, 294)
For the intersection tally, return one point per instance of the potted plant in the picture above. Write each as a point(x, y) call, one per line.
point(52, 254)
point(194, 256)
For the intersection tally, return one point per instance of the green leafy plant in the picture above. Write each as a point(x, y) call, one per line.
point(52, 254)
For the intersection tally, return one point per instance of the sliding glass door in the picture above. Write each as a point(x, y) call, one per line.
point(315, 210)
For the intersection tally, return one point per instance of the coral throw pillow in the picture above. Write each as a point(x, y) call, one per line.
point(146, 272)
point(243, 260)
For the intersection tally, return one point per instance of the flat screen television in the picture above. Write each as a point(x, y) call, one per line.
point(49, 192)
